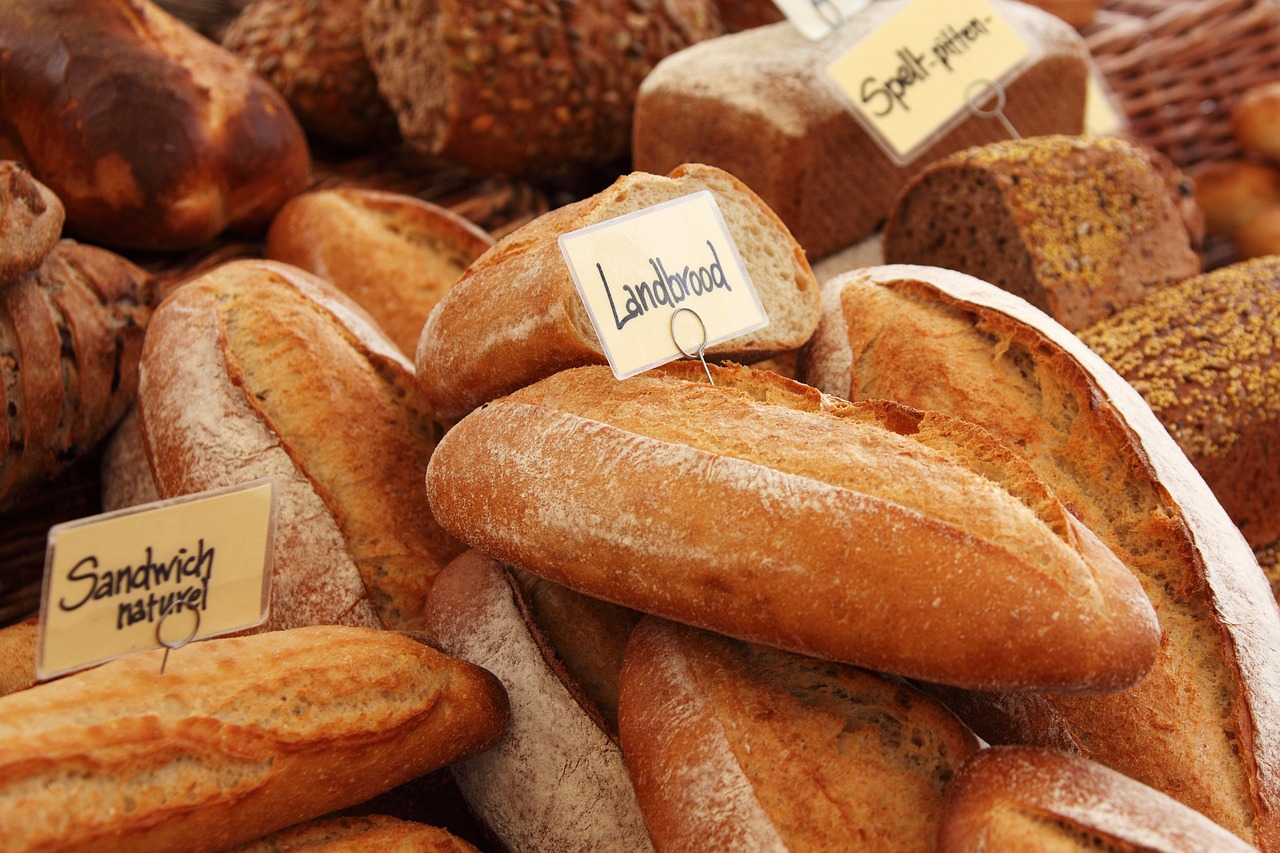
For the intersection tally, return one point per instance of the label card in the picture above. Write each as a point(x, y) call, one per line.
point(1101, 116)
point(815, 19)
point(636, 271)
point(202, 561)
point(912, 79)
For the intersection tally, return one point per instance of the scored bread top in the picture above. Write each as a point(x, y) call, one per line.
point(515, 316)
point(765, 510)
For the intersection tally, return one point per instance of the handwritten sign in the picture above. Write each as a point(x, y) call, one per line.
point(909, 81)
point(815, 19)
point(112, 579)
point(635, 271)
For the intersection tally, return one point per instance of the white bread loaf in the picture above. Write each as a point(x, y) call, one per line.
point(741, 747)
point(260, 369)
point(487, 337)
point(1204, 725)
point(556, 779)
point(767, 511)
point(758, 104)
point(237, 738)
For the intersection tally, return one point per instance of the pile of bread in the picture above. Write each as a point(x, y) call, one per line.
point(963, 550)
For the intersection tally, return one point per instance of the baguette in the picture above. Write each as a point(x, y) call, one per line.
point(767, 511)
point(237, 738)
point(741, 747)
point(1204, 725)
point(349, 834)
point(556, 779)
point(486, 338)
point(259, 369)
point(31, 218)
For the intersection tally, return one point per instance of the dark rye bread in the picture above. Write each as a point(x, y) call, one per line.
point(487, 337)
point(762, 509)
point(1204, 725)
point(734, 746)
point(1023, 798)
point(1205, 355)
point(1078, 226)
point(556, 779)
point(31, 219)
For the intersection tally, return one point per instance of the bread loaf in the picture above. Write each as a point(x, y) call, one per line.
point(523, 87)
point(153, 137)
point(1255, 120)
point(761, 509)
point(486, 338)
point(259, 369)
point(1230, 192)
point(758, 104)
point(1078, 226)
point(1018, 798)
point(394, 254)
point(556, 779)
point(31, 219)
point(125, 474)
point(70, 337)
point(1204, 725)
point(237, 738)
point(372, 832)
point(18, 653)
point(741, 747)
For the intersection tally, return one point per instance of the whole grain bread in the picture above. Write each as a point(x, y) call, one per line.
point(238, 737)
point(740, 747)
point(257, 369)
point(1204, 725)
point(31, 219)
point(759, 104)
point(488, 337)
point(1078, 226)
point(762, 509)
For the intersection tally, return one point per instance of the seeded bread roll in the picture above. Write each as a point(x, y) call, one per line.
point(763, 109)
point(372, 832)
point(523, 87)
point(259, 369)
point(394, 254)
point(237, 738)
point(741, 747)
point(153, 137)
point(556, 779)
point(1203, 354)
point(1018, 798)
point(487, 338)
point(70, 338)
point(312, 53)
point(1078, 226)
point(30, 221)
point(762, 509)
point(1204, 725)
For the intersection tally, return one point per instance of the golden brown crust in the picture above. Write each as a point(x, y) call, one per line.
point(18, 654)
point(31, 219)
point(237, 738)
point(1255, 120)
point(1232, 191)
point(153, 137)
point(369, 832)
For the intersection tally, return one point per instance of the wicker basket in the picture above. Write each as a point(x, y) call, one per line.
point(1178, 67)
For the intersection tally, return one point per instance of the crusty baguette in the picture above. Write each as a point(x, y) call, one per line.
point(487, 338)
point(257, 369)
point(237, 738)
point(31, 218)
point(741, 747)
point(394, 254)
point(556, 779)
point(71, 334)
point(762, 509)
point(153, 137)
point(353, 834)
point(1204, 725)
point(1023, 798)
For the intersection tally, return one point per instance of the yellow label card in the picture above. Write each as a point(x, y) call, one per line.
point(815, 19)
point(1101, 118)
point(199, 564)
point(637, 271)
point(913, 78)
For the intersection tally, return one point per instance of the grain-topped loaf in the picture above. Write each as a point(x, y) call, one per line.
point(1204, 725)
point(734, 746)
point(515, 316)
point(237, 738)
point(758, 104)
point(762, 509)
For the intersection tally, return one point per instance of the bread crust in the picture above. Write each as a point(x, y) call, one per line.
point(846, 540)
point(369, 832)
point(31, 218)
